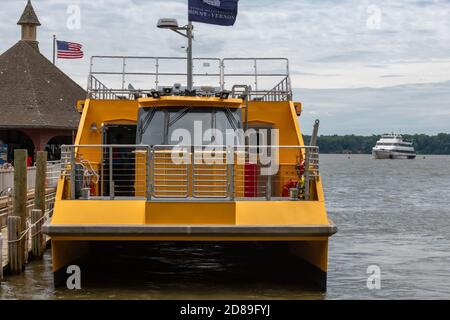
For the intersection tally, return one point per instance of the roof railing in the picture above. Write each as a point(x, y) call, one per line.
point(97, 90)
point(144, 74)
point(281, 92)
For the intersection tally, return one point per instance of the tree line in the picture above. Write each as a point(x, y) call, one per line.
point(424, 144)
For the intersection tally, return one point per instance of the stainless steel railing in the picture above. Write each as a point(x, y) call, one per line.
point(281, 92)
point(107, 171)
point(169, 178)
point(98, 90)
point(127, 77)
point(190, 172)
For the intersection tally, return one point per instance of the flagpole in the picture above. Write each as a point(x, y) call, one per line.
point(54, 49)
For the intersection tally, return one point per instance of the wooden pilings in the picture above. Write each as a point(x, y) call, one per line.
point(37, 238)
point(15, 245)
point(17, 223)
point(20, 225)
point(41, 176)
point(39, 205)
point(20, 186)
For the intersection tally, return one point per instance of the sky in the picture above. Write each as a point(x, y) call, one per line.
point(380, 51)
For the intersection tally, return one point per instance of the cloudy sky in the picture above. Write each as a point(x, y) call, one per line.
point(362, 66)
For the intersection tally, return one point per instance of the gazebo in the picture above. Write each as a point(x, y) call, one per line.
point(37, 100)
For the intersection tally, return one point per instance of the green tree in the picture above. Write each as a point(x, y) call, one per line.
point(424, 144)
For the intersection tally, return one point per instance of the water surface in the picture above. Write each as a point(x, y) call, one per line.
point(394, 214)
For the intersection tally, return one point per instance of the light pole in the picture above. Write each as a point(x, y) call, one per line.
point(172, 24)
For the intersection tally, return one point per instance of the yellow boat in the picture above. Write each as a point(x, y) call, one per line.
point(190, 164)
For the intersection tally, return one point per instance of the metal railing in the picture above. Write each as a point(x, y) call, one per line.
point(169, 178)
point(106, 170)
point(144, 74)
point(281, 92)
point(190, 172)
point(7, 176)
point(99, 91)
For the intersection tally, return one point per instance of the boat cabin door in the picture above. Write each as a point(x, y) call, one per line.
point(257, 185)
point(118, 163)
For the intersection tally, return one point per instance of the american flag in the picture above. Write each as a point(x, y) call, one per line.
point(69, 50)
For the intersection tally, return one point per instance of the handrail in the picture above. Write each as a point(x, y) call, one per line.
point(97, 89)
point(284, 86)
point(96, 86)
point(186, 171)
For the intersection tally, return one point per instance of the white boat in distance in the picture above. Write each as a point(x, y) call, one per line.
point(392, 146)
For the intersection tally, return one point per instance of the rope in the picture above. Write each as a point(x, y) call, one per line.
point(89, 171)
point(24, 233)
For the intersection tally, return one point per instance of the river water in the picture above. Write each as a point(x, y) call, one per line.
point(392, 214)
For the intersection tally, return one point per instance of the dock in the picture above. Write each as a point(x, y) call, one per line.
point(24, 208)
point(6, 209)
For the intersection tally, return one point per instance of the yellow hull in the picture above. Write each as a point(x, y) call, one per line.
point(302, 226)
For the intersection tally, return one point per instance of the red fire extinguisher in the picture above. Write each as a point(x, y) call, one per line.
point(92, 188)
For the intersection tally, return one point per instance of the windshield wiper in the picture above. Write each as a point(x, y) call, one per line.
point(231, 118)
point(144, 125)
point(180, 114)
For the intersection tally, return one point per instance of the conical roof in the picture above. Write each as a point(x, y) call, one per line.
point(34, 93)
point(29, 16)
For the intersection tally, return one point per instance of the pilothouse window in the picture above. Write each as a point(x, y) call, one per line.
point(158, 126)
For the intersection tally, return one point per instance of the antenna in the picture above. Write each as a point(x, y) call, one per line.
point(187, 32)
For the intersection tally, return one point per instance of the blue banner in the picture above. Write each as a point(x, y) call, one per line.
point(220, 12)
point(3, 154)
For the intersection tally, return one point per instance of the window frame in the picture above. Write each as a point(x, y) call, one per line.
point(213, 111)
